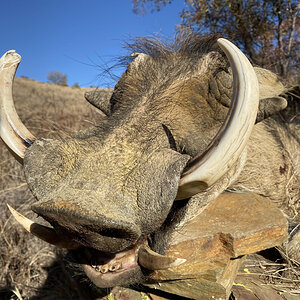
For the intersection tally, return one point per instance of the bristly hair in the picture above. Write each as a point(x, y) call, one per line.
point(185, 43)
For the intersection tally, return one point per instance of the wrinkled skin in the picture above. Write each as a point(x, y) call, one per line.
point(113, 186)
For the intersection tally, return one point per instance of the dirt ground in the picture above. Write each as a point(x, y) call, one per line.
point(32, 269)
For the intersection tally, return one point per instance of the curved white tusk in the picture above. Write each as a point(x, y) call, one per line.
point(44, 233)
point(151, 260)
point(12, 131)
point(226, 147)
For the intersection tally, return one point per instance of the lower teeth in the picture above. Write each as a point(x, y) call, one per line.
point(107, 268)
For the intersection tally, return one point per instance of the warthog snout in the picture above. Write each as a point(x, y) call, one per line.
point(100, 197)
point(111, 233)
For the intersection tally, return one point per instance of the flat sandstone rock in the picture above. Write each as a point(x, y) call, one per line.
point(215, 242)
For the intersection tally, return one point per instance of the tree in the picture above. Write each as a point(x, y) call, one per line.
point(139, 5)
point(76, 85)
point(57, 77)
point(265, 30)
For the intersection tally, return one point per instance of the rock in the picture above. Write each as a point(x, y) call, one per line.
point(214, 243)
point(121, 293)
point(248, 288)
point(288, 296)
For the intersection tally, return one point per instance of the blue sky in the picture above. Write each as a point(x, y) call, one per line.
point(73, 36)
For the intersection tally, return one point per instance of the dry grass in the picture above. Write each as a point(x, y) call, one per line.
point(267, 273)
point(31, 269)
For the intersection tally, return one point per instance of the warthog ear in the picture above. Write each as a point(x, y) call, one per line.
point(138, 58)
point(270, 89)
point(100, 99)
point(270, 106)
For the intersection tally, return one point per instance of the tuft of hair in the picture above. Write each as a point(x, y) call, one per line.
point(189, 43)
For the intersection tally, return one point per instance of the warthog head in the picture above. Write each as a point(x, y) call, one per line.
point(109, 191)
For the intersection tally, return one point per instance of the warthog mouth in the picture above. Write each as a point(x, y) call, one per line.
point(110, 269)
point(122, 268)
point(104, 269)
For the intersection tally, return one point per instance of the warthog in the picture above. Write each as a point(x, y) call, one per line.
point(179, 130)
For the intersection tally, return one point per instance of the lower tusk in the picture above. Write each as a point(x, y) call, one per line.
point(44, 233)
point(153, 261)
